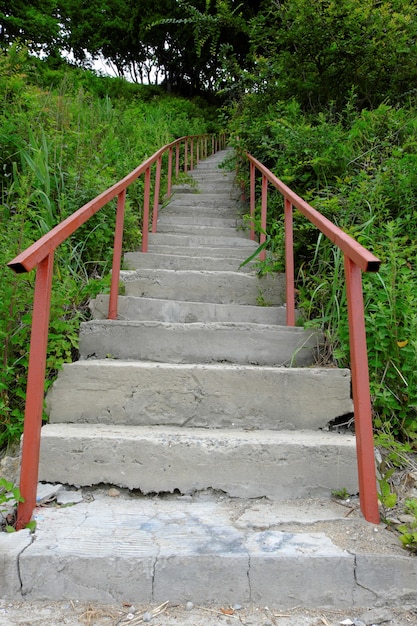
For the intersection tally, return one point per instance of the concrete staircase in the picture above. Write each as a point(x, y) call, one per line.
point(195, 384)
point(198, 389)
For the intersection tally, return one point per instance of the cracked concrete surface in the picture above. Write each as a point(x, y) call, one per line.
point(207, 549)
point(12, 547)
point(276, 464)
point(214, 395)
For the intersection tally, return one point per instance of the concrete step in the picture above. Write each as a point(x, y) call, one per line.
point(205, 168)
point(142, 309)
point(213, 551)
point(205, 286)
point(150, 260)
point(203, 240)
point(213, 201)
point(236, 252)
point(198, 396)
point(211, 164)
point(254, 344)
point(203, 230)
point(213, 176)
point(187, 210)
point(198, 220)
point(220, 188)
point(279, 465)
point(214, 162)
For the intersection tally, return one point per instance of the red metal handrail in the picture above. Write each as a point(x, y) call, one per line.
point(41, 254)
point(356, 259)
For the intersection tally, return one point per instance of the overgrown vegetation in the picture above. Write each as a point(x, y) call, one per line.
point(345, 140)
point(323, 93)
point(65, 140)
point(360, 171)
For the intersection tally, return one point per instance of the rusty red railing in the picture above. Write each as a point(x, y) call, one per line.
point(357, 259)
point(40, 255)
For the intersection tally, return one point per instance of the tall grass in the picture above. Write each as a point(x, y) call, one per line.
point(63, 145)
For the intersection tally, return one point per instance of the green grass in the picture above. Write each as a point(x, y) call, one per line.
point(67, 136)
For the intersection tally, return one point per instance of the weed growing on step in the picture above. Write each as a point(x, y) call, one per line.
point(408, 532)
point(397, 479)
point(9, 498)
point(341, 494)
point(261, 300)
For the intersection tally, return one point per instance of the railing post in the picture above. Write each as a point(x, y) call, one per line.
point(360, 388)
point(177, 160)
point(264, 204)
point(117, 255)
point(289, 263)
point(146, 196)
point(252, 200)
point(192, 154)
point(185, 156)
point(156, 194)
point(35, 391)
point(169, 175)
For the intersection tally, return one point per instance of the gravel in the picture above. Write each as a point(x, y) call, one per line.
point(81, 614)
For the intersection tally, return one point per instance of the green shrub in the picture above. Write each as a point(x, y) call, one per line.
point(359, 170)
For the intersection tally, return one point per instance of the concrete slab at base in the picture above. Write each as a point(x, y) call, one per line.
point(387, 578)
point(12, 545)
point(145, 550)
point(201, 396)
point(278, 465)
point(149, 551)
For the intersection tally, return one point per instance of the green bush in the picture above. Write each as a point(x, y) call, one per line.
point(359, 170)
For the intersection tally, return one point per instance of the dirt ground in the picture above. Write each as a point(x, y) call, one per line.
point(81, 614)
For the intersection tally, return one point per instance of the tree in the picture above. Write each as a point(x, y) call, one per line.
point(35, 23)
point(190, 45)
point(318, 51)
point(206, 36)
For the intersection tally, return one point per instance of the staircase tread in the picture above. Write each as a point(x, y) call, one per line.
point(210, 326)
point(272, 307)
point(126, 363)
point(166, 434)
point(232, 273)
